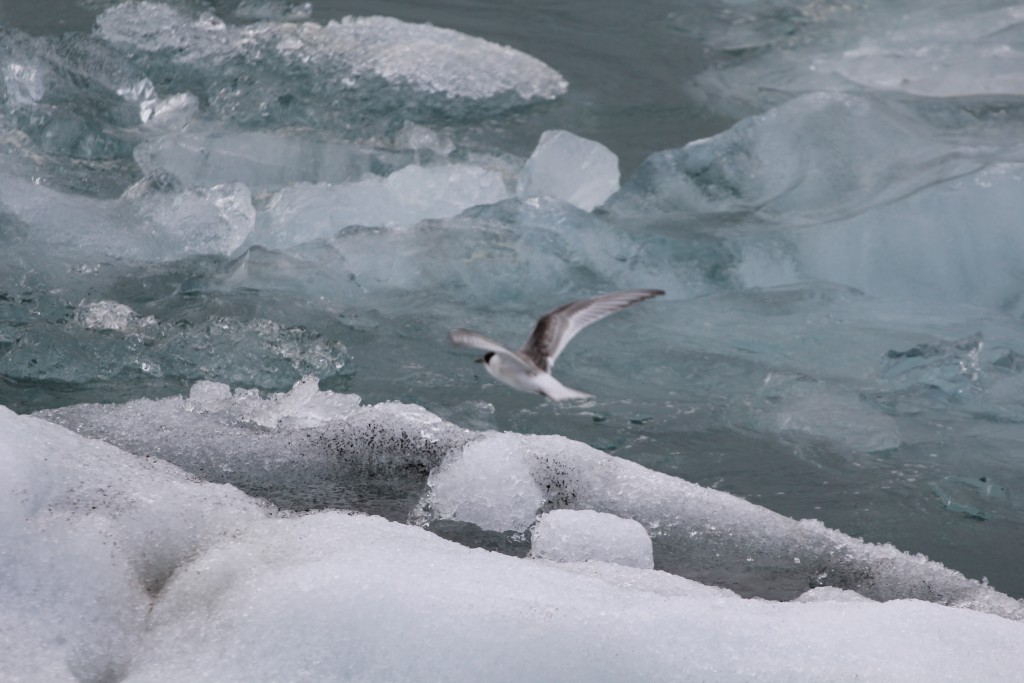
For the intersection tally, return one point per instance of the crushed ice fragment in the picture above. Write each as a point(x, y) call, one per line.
point(110, 315)
point(582, 535)
point(414, 136)
point(580, 171)
point(170, 113)
point(204, 220)
point(489, 484)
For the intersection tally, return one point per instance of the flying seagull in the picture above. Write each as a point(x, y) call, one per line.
point(529, 369)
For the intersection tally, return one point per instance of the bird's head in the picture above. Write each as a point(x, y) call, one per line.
point(486, 358)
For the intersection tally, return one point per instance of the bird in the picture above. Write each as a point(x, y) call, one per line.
point(529, 368)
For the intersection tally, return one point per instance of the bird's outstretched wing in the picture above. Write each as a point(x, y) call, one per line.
point(475, 340)
point(557, 328)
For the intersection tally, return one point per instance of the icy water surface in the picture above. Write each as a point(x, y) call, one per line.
point(196, 196)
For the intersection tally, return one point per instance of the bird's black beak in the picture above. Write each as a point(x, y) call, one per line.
point(481, 359)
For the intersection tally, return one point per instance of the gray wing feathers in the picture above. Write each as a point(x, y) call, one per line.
point(557, 328)
point(475, 340)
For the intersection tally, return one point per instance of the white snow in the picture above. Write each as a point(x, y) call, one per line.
point(88, 533)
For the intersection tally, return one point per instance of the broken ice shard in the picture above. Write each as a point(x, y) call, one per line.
point(580, 171)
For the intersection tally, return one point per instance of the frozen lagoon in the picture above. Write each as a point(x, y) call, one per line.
point(199, 210)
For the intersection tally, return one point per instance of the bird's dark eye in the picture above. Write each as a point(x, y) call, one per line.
point(488, 356)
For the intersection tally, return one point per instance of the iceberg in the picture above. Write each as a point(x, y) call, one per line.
point(820, 157)
point(336, 74)
point(277, 587)
point(777, 50)
point(502, 481)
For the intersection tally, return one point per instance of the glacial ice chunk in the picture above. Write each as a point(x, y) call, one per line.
point(816, 158)
point(902, 200)
point(206, 220)
point(155, 219)
point(23, 83)
point(911, 48)
point(487, 484)
point(262, 160)
point(436, 59)
point(582, 535)
point(580, 171)
point(421, 138)
point(699, 531)
point(533, 247)
point(304, 212)
point(371, 66)
point(971, 497)
point(951, 367)
point(111, 315)
point(955, 241)
point(66, 94)
point(167, 114)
